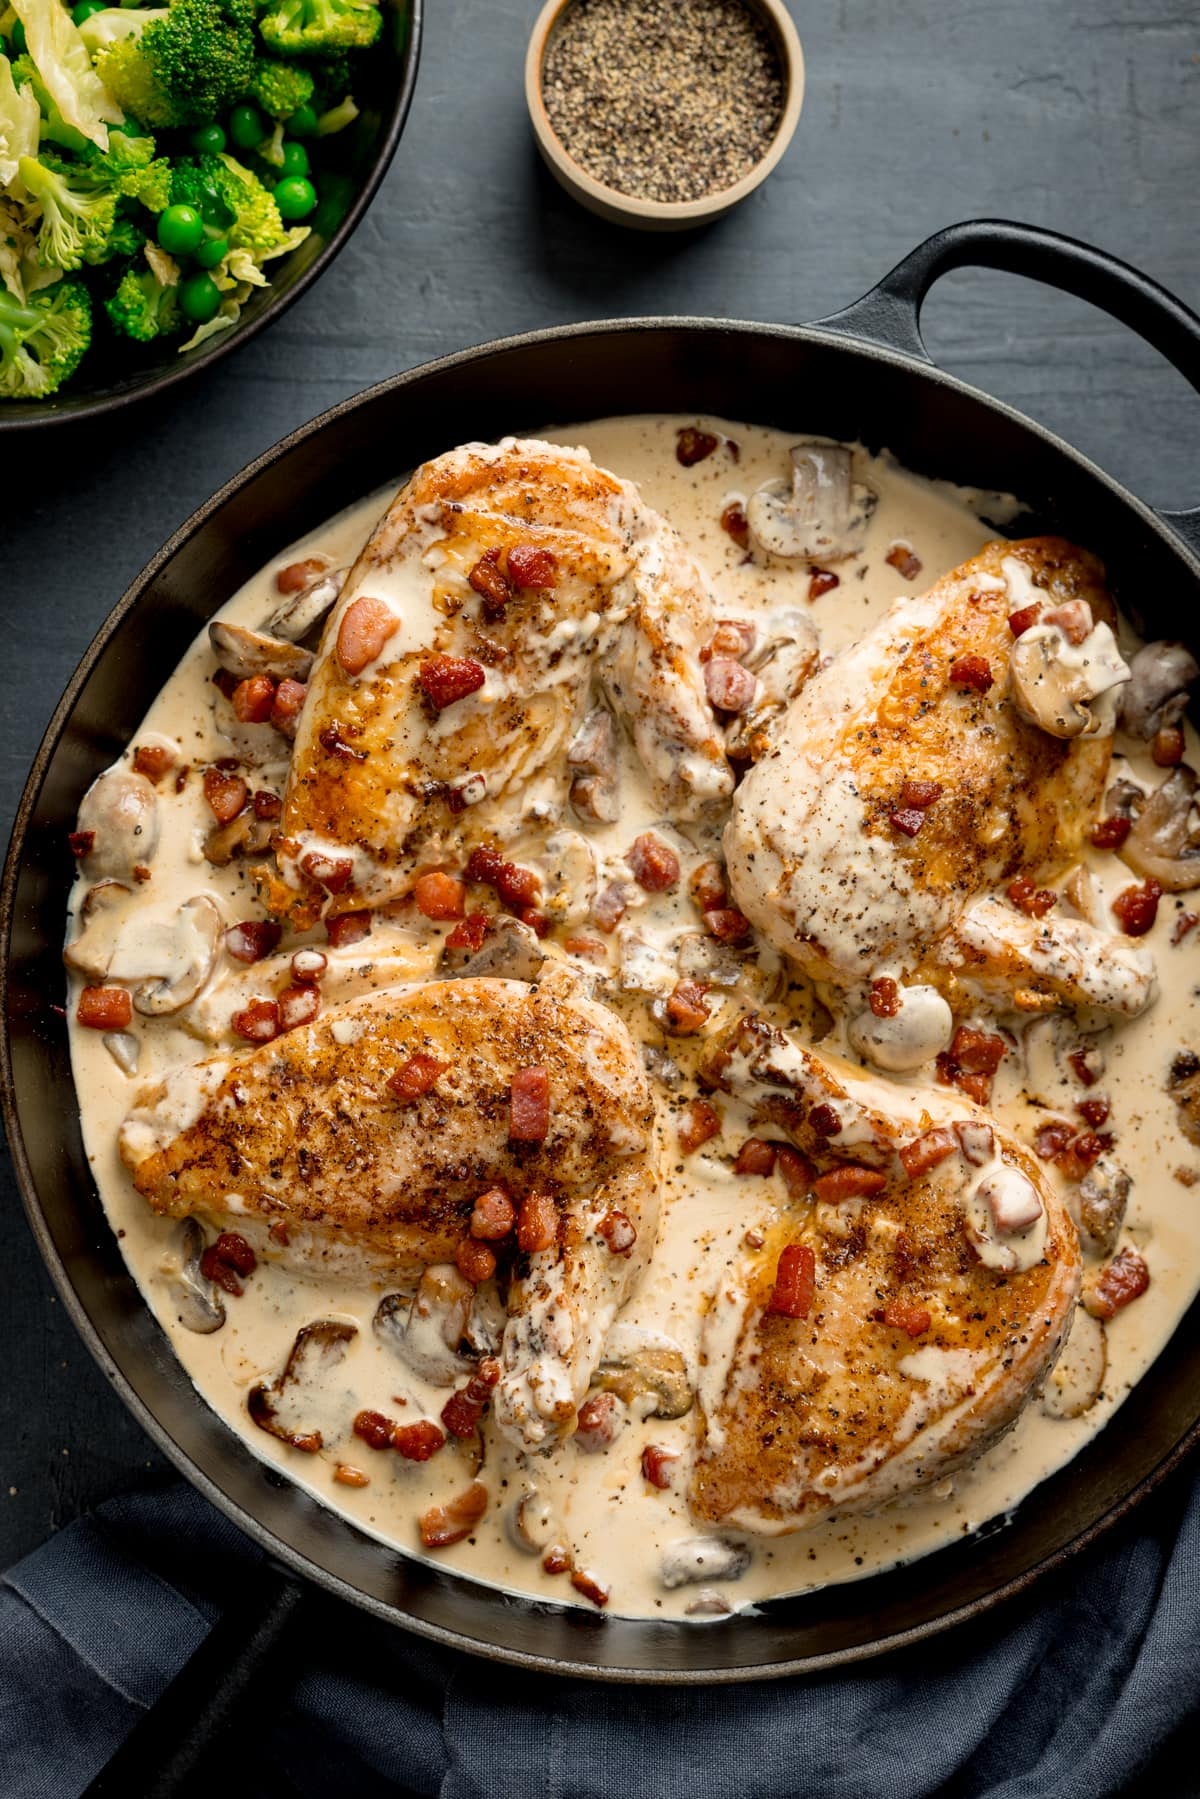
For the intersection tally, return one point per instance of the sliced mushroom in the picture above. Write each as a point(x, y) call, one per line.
point(920, 1030)
point(92, 949)
point(1184, 1086)
point(661, 1066)
point(244, 835)
point(693, 1560)
point(484, 1331)
point(1103, 1197)
point(592, 753)
point(189, 962)
point(647, 1370)
point(125, 1050)
point(1078, 1377)
point(243, 652)
point(318, 1348)
point(510, 951)
point(787, 654)
point(709, 1602)
point(426, 1331)
point(532, 1522)
point(121, 808)
point(1079, 891)
point(1164, 844)
point(198, 1306)
point(1160, 675)
point(1068, 689)
point(302, 612)
point(820, 515)
point(645, 967)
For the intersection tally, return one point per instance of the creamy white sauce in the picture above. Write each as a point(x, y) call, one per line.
point(617, 1526)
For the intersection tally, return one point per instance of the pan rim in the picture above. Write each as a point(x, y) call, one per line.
point(262, 1535)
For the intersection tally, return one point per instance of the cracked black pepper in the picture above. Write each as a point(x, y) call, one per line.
point(665, 100)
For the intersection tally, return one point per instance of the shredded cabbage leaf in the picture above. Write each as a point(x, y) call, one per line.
point(20, 117)
point(62, 61)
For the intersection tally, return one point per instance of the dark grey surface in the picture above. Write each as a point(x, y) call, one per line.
point(1078, 116)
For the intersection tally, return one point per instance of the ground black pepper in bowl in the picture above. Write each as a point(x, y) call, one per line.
point(664, 100)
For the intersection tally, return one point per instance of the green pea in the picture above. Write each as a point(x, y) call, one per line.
point(129, 126)
point(295, 197)
point(199, 298)
point(180, 230)
point(212, 252)
point(303, 122)
point(295, 159)
point(85, 9)
point(208, 140)
point(246, 128)
point(19, 42)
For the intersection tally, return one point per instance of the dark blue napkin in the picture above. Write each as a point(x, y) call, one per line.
point(1086, 1690)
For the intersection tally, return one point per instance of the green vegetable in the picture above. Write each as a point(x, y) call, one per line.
point(85, 9)
point(295, 160)
point(64, 65)
point(77, 223)
point(143, 307)
point(337, 118)
point(20, 122)
point(42, 340)
point(133, 169)
point(199, 298)
point(295, 197)
point(181, 69)
point(225, 193)
point(53, 128)
point(303, 122)
point(212, 251)
point(280, 87)
point(207, 140)
point(181, 230)
point(246, 128)
point(20, 42)
point(295, 26)
point(127, 239)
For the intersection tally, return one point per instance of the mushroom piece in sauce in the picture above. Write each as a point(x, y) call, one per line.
point(1103, 1197)
point(1164, 844)
point(1157, 692)
point(820, 515)
point(303, 612)
point(1077, 1380)
point(1068, 688)
point(91, 951)
point(425, 1331)
point(198, 1306)
point(510, 951)
point(919, 1029)
point(197, 938)
point(243, 652)
point(318, 1347)
point(647, 1371)
point(693, 1560)
point(120, 809)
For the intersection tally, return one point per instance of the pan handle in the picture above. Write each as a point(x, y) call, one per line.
point(890, 315)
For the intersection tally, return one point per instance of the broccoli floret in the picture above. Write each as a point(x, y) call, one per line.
point(226, 194)
point(280, 87)
point(42, 340)
point(182, 69)
point(77, 221)
point(295, 26)
point(143, 307)
point(130, 166)
point(127, 238)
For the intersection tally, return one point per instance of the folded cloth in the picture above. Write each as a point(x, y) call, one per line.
point(1084, 1689)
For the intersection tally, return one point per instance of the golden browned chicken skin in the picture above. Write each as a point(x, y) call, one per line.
point(931, 762)
point(548, 583)
point(304, 1146)
point(932, 1317)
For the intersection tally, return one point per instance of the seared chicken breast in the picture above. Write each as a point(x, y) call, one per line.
point(507, 590)
point(373, 1133)
point(962, 743)
point(898, 1317)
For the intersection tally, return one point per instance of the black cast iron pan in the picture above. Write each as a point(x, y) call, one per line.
point(863, 374)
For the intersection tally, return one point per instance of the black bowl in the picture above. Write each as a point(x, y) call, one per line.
point(115, 372)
